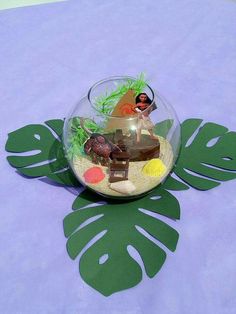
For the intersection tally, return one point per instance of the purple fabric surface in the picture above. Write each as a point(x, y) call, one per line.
point(49, 56)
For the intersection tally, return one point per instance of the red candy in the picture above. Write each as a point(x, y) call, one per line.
point(94, 175)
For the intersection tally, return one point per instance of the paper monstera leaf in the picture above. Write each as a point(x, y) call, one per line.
point(208, 156)
point(107, 264)
point(45, 152)
point(111, 239)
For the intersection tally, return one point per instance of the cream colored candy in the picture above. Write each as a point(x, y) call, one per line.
point(123, 187)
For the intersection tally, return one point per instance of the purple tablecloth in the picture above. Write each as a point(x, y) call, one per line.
point(49, 56)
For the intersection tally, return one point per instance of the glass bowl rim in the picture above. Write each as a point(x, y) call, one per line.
point(113, 78)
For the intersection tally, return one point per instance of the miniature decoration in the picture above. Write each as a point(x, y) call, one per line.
point(94, 175)
point(120, 164)
point(144, 108)
point(201, 165)
point(123, 187)
point(98, 147)
point(125, 106)
point(119, 130)
point(154, 168)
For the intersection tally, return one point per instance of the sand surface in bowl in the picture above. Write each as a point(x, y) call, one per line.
point(143, 183)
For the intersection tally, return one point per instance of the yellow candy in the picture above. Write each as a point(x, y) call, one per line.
point(154, 168)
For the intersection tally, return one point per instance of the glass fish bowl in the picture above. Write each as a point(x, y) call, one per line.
point(121, 139)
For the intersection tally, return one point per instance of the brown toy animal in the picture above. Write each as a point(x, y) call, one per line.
point(98, 147)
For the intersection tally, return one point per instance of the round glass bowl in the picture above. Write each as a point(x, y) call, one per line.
point(122, 139)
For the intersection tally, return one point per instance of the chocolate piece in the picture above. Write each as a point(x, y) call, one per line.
point(119, 167)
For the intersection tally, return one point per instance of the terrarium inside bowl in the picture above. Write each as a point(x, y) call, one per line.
point(122, 139)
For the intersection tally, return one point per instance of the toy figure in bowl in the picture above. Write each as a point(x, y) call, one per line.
point(144, 107)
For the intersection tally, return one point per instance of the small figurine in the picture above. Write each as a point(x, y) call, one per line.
point(98, 147)
point(144, 108)
point(119, 167)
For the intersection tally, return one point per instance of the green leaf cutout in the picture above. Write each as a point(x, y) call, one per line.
point(114, 227)
point(209, 158)
point(174, 185)
point(162, 128)
point(45, 155)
